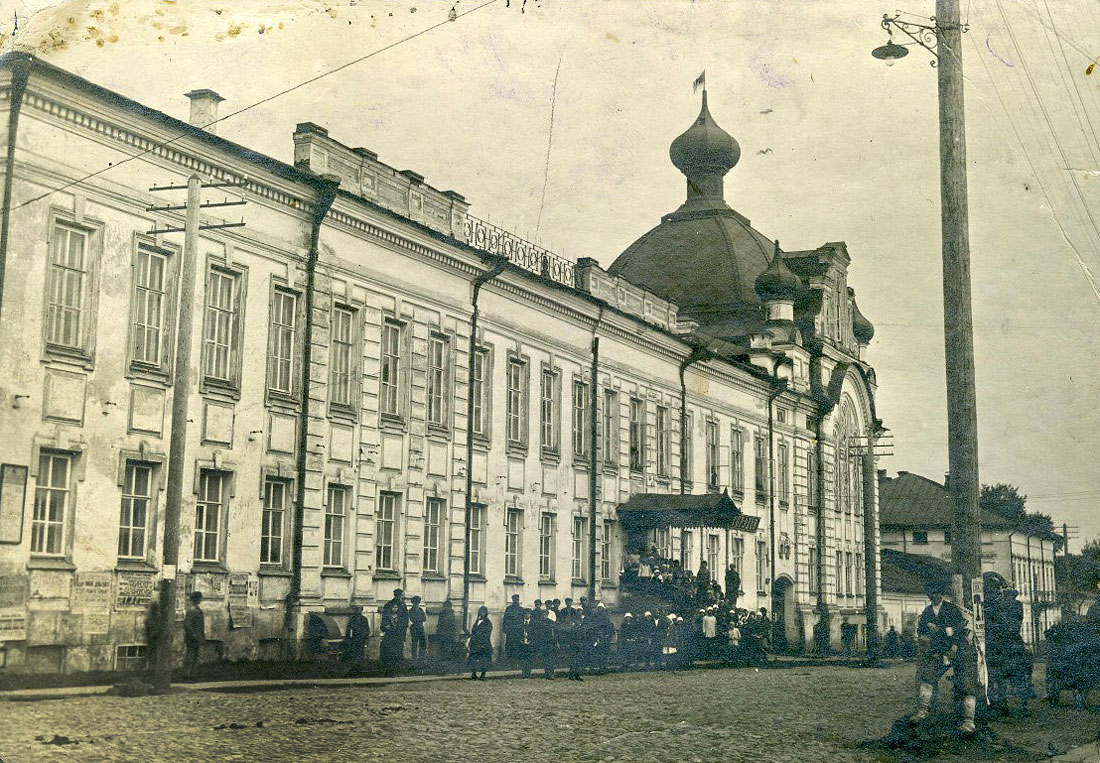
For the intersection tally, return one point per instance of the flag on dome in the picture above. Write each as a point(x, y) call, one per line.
point(700, 82)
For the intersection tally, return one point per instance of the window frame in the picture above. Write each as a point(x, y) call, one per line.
point(339, 404)
point(580, 548)
point(637, 434)
point(737, 459)
point(482, 391)
point(713, 457)
point(288, 396)
point(664, 440)
point(610, 429)
point(238, 276)
point(783, 465)
point(607, 569)
point(547, 544)
point(760, 466)
point(477, 539)
point(581, 416)
point(687, 448)
point(712, 548)
point(92, 231)
point(202, 498)
point(513, 543)
point(149, 497)
point(550, 412)
point(517, 401)
point(286, 511)
point(433, 547)
point(398, 376)
point(387, 515)
point(161, 368)
point(438, 376)
point(68, 509)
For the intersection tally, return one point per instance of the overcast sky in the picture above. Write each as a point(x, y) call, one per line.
point(835, 146)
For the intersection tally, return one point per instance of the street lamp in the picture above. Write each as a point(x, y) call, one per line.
point(942, 37)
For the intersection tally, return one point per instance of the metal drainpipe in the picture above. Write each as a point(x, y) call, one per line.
point(20, 73)
point(779, 386)
point(326, 194)
point(592, 476)
point(819, 529)
point(483, 278)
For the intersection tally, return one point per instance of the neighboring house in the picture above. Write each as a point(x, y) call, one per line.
point(309, 487)
point(903, 579)
point(916, 517)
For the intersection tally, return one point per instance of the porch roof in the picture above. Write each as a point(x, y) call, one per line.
point(645, 511)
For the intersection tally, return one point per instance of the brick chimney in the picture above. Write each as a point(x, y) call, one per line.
point(204, 109)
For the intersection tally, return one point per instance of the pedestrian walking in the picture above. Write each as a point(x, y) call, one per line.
point(194, 635)
point(355, 636)
point(395, 626)
point(446, 632)
point(480, 644)
point(417, 618)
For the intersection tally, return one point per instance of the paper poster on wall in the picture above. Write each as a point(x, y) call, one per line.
point(13, 496)
point(13, 591)
point(91, 595)
point(133, 590)
point(240, 615)
point(212, 586)
point(183, 591)
point(13, 626)
point(97, 622)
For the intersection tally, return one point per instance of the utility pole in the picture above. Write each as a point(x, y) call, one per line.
point(592, 476)
point(181, 393)
point(962, 416)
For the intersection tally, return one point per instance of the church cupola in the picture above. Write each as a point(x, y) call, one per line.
point(778, 288)
point(704, 153)
point(862, 329)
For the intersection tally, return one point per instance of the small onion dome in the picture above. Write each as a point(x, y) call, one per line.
point(778, 282)
point(862, 329)
point(704, 147)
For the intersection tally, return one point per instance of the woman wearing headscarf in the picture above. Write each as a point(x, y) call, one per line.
point(481, 644)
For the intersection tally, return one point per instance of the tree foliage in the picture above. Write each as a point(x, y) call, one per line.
point(1008, 502)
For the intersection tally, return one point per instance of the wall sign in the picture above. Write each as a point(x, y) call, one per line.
point(13, 495)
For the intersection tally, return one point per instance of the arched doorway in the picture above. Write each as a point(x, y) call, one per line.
point(784, 610)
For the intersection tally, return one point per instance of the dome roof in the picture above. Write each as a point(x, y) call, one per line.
point(704, 147)
point(862, 329)
point(778, 282)
point(698, 260)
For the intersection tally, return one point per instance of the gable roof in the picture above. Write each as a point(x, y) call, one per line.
point(907, 573)
point(912, 500)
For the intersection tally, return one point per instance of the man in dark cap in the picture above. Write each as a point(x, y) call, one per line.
point(942, 645)
point(395, 625)
point(417, 618)
point(355, 637)
point(446, 632)
point(510, 626)
point(733, 586)
point(194, 635)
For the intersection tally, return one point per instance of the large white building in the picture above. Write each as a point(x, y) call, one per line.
point(327, 420)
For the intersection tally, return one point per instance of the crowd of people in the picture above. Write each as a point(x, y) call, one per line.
point(654, 575)
point(560, 635)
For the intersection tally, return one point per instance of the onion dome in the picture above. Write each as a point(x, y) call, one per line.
point(862, 329)
point(705, 153)
point(778, 282)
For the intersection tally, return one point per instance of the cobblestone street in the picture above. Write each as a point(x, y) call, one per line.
point(795, 714)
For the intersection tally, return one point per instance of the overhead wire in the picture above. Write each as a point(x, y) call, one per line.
point(450, 19)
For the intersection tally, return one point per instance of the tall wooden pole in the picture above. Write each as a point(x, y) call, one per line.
point(593, 477)
point(962, 418)
point(177, 447)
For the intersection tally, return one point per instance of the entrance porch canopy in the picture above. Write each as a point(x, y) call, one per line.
point(646, 511)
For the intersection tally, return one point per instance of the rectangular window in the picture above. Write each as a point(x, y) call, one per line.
point(606, 568)
point(220, 326)
point(480, 392)
point(784, 477)
point(738, 556)
point(859, 573)
point(336, 518)
point(687, 445)
point(761, 566)
point(839, 573)
point(712, 555)
point(664, 440)
point(274, 521)
point(340, 364)
point(737, 459)
point(389, 403)
point(811, 479)
point(133, 522)
point(477, 539)
point(517, 402)
point(131, 656)
point(813, 570)
point(610, 427)
point(513, 543)
point(712, 454)
point(761, 467)
point(549, 421)
point(580, 548)
point(385, 531)
point(52, 495)
point(637, 434)
point(947, 536)
point(150, 275)
point(581, 418)
point(848, 589)
point(546, 546)
point(68, 276)
point(662, 541)
point(920, 537)
point(437, 380)
point(284, 323)
point(210, 510)
point(687, 547)
point(434, 514)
